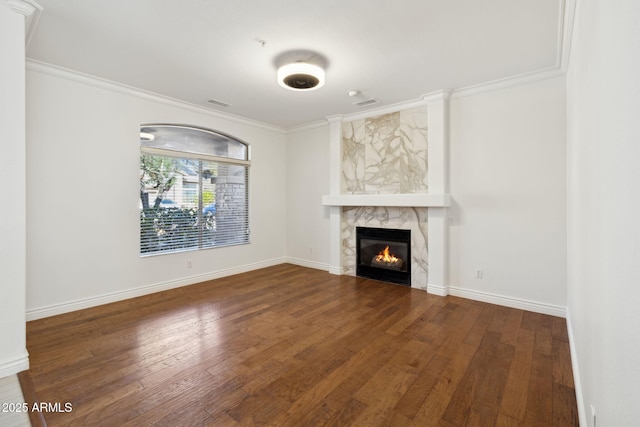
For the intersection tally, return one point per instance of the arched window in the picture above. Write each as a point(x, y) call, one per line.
point(194, 189)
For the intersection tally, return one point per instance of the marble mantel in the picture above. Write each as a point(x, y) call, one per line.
point(417, 200)
point(356, 197)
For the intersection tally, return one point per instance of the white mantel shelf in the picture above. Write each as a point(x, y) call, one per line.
point(405, 200)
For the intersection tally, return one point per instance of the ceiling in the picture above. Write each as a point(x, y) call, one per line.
point(392, 51)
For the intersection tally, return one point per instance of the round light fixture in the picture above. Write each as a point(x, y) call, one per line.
point(145, 136)
point(300, 76)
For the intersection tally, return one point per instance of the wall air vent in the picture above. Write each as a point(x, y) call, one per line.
point(218, 103)
point(366, 102)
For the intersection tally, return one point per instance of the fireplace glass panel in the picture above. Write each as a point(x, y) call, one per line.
point(384, 254)
point(372, 253)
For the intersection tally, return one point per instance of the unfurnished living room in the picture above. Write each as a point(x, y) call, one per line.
point(408, 213)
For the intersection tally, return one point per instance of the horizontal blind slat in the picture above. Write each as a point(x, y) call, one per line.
point(207, 186)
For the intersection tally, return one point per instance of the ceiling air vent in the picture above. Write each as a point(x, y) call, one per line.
point(218, 103)
point(366, 102)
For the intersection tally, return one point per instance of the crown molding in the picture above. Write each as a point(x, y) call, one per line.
point(315, 125)
point(568, 18)
point(309, 126)
point(441, 95)
point(32, 21)
point(23, 7)
point(567, 10)
point(392, 108)
point(31, 11)
point(519, 80)
point(334, 118)
point(78, 77)
point(562, 7)
point(446, 94)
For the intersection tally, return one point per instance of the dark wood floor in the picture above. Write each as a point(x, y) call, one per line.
point(292, 346)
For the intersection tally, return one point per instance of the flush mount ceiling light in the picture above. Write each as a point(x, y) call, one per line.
point(300, 76)
point(145, 136)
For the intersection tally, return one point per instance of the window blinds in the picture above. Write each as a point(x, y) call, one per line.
point(191, 202)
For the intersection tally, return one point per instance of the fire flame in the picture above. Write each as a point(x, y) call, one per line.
point(386, 257)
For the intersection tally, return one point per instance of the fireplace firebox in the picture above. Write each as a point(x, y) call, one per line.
point(384, 254)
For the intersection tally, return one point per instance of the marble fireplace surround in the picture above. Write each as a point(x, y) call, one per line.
point(422, 207)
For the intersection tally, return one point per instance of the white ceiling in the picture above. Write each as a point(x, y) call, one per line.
point(394, 51)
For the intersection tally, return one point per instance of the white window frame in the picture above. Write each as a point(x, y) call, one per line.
point(158, 224)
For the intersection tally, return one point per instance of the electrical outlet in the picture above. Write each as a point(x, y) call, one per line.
point(478, 273)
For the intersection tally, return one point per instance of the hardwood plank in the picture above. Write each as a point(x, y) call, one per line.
point(514, 402)
point(543, 342)
point(95, 401)
point(293, 384)
point(506, 421)
point(477, 332)
point(564, 405)
point(457, 334)
point(409, 404)
point(347, 415)
point(490, 392)
point(359, 375)
point(511, 328)
point(223, 399)
point(448, 381)
point(540, 396)
point(480, 391)
point(31, 398)
point(288, 345)
point(562, 368)
point(416, 312)
point(395, 376)
point(381, 415)
point(499, 320)
point(432, 373)
point(306, 411)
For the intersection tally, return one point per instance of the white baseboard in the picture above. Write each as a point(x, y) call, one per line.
point(336, 270)
point(12, 367)
point(310, 264)
point(535, 306)
point(66, 307)
point(439, 290)
point(582, 413)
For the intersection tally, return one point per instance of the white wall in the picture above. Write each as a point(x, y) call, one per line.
point(82, 182)
point(604, 210)
point(507, 180)
point(13, 355)
point(308, 181)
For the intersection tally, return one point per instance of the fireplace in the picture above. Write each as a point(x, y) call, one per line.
point(384, 254)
